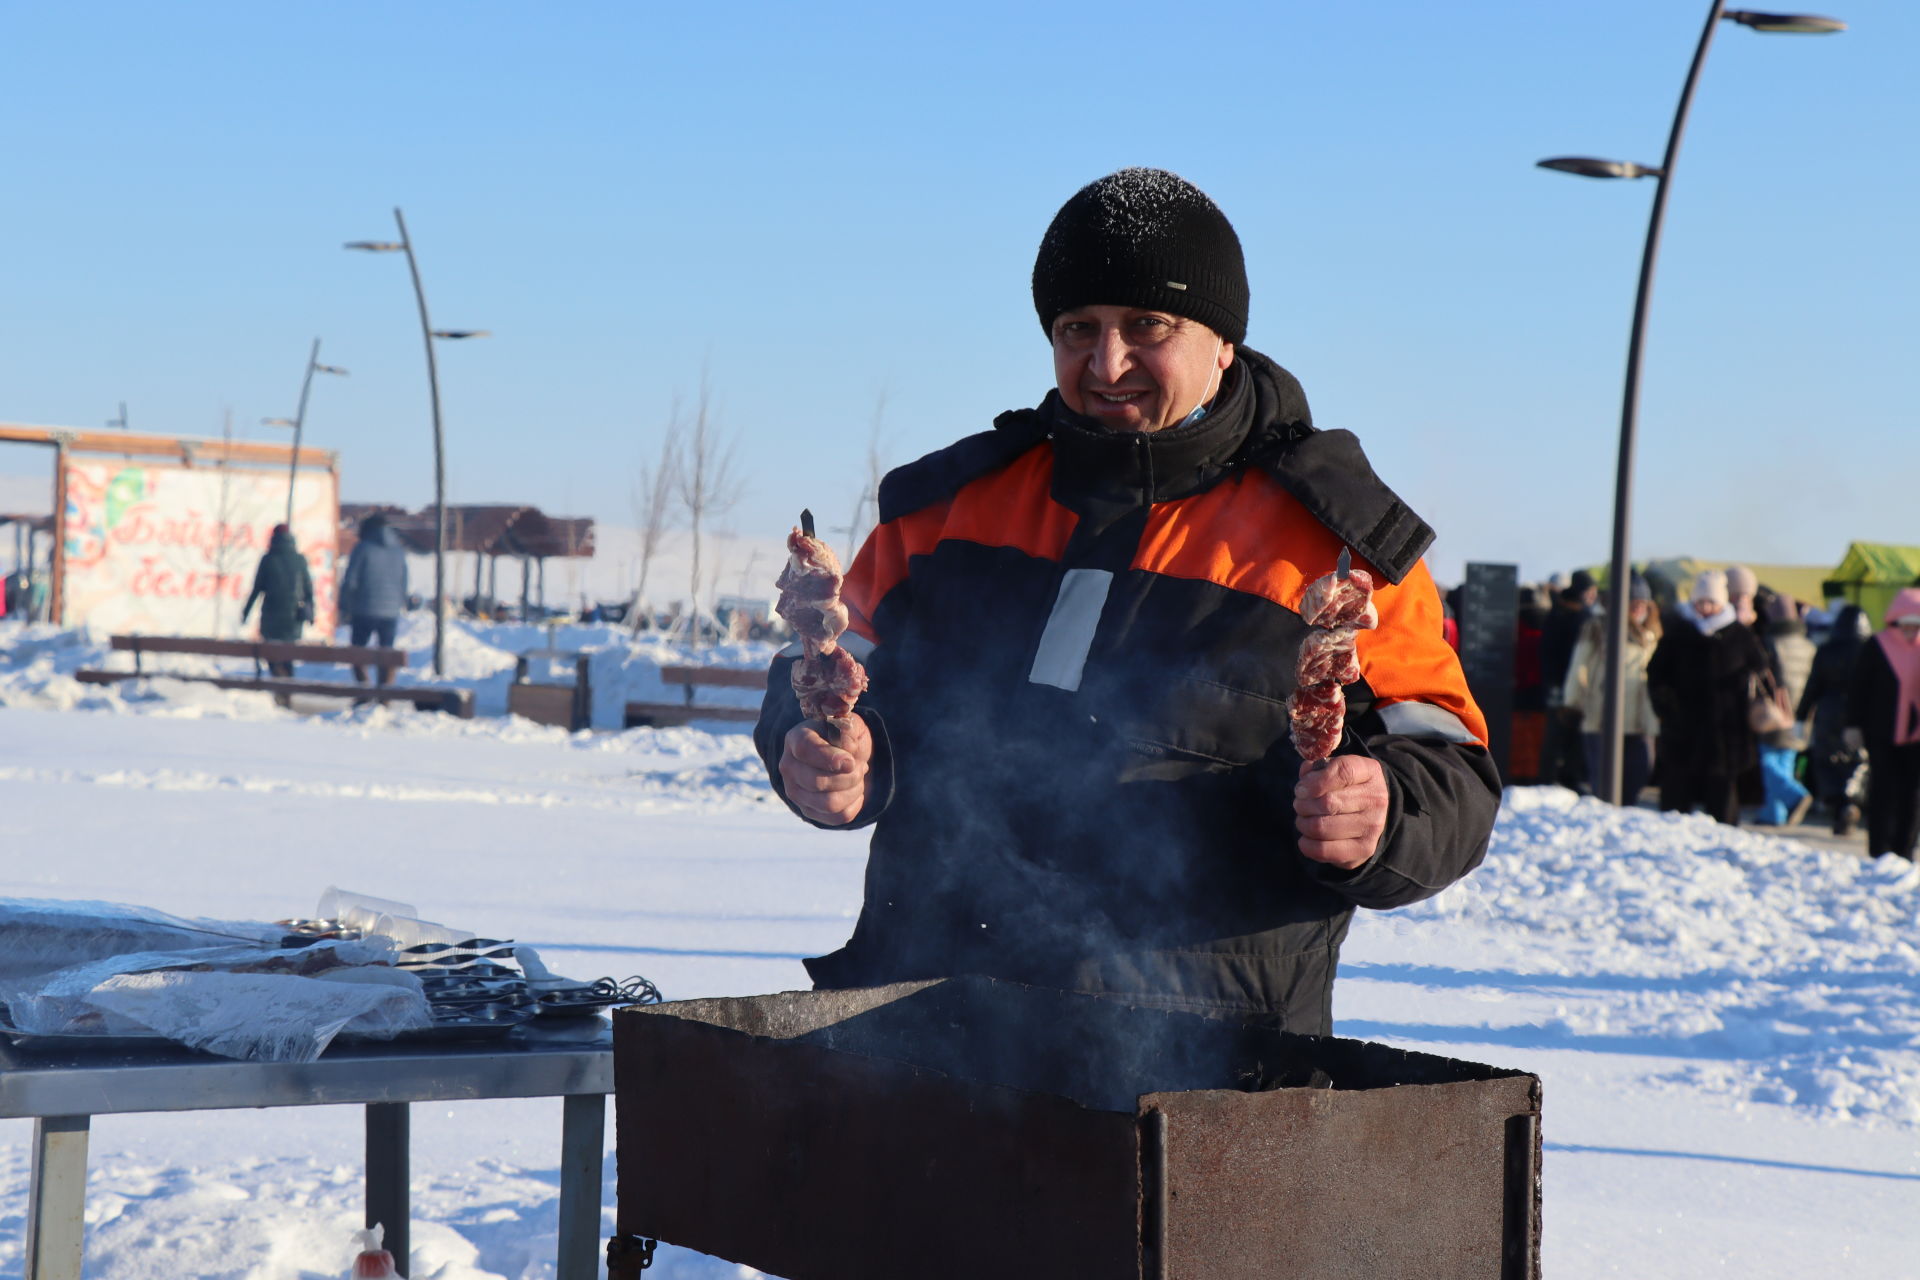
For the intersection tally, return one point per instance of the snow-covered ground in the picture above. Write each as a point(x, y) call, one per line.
point(1728, 1025)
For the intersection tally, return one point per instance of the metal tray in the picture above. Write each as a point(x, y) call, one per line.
point(447, 1025)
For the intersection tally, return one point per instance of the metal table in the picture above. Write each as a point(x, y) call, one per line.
point(65, 1089)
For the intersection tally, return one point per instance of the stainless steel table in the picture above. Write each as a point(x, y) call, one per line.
point(64, 1090)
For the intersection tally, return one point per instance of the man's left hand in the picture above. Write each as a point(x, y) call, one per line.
point(1341, 810)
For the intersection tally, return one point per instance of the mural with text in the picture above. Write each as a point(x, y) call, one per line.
point(164, 549)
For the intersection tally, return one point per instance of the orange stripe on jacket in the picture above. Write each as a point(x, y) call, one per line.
point(1206, 538)
point(1012, 507)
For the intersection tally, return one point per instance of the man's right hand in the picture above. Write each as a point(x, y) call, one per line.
point(826, 781)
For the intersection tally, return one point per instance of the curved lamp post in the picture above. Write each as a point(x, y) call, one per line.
point(428, 333)
point(299, 419)
point(1620, 569)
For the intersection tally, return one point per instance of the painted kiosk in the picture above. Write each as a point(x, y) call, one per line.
point(159, 535)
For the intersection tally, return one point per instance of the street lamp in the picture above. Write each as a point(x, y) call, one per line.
point(1621, 569)
point(299, 420)
point(428, 333)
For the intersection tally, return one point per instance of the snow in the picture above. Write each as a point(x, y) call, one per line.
point(1727, 1024)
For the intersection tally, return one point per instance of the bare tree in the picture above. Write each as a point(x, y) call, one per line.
point(866, 508)
point(224, 553)
point(653, 513)
point(708, 484)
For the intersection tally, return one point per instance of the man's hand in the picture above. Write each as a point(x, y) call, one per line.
point(1341, 810)
point(827, 782)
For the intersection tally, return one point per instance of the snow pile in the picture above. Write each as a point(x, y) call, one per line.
point(1780, 972)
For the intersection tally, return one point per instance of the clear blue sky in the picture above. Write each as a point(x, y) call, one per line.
point(819, 204)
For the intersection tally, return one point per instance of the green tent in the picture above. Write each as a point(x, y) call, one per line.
point(1871, 572)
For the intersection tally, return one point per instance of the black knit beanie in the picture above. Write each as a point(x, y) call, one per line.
point(1143, 238)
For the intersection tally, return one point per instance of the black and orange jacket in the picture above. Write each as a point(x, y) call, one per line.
point(1081, 646)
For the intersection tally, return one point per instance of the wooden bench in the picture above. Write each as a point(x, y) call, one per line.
point(458, 702)
point(565, 706)
point(662, 715)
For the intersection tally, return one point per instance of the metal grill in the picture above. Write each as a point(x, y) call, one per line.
point(971, 1127)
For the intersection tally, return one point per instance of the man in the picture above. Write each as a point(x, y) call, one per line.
point(1702, 679)
point(1081, 629)
point(373, 590)
point(1562, 761)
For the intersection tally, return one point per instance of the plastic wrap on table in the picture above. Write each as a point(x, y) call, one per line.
point(239, 1002)
point(41, 935)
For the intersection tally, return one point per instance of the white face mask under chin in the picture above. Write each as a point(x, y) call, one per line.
point(1200, 410)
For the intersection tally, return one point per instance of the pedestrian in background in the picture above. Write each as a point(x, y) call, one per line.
point(1790, 654)
point(1702, 677)
point(1742, 588)
point(1883, 717)
point(1586, 689)
point(284, 589)
point(373, 590)
point(1562, 760)
point(1529, 694)
point(1831, 762)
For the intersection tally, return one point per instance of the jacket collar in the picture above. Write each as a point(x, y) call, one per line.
point(1260, 418)
point(1093, 465)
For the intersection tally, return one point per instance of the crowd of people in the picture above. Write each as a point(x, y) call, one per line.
point(1738, 701)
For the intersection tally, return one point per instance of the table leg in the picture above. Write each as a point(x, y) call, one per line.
point(583, 1128)
point(388, 1127)
point(57, 1202)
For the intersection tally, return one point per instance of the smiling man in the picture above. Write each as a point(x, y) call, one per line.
point(1081, 629)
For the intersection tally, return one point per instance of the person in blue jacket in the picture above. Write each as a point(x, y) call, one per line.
point(373, 591)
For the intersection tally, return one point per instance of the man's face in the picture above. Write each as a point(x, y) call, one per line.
point(1135, 370)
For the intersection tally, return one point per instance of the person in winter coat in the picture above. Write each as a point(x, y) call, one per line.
point(1790, 654)
point(373, 590)
point(1883, 717)
point(1743, 588)
point(1702, 677)
point(1562, 759)
point(1823, 702)
point(1081, 629)
point(284, 589)
point(1586, 689)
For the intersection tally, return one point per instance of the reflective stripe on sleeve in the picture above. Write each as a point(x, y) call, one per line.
point(1424, 720)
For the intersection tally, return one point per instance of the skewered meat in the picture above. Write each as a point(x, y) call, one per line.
point(1336, 601)
point(1338, 606)
point(826, 678)
point(1316, 712)
point(809, 587)
point(827, 684)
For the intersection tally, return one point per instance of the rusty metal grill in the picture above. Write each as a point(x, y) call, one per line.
point(972, 1127)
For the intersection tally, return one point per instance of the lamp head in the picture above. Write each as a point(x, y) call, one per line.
point(1806, 24)
point(375, 246)
point(1592, 167)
